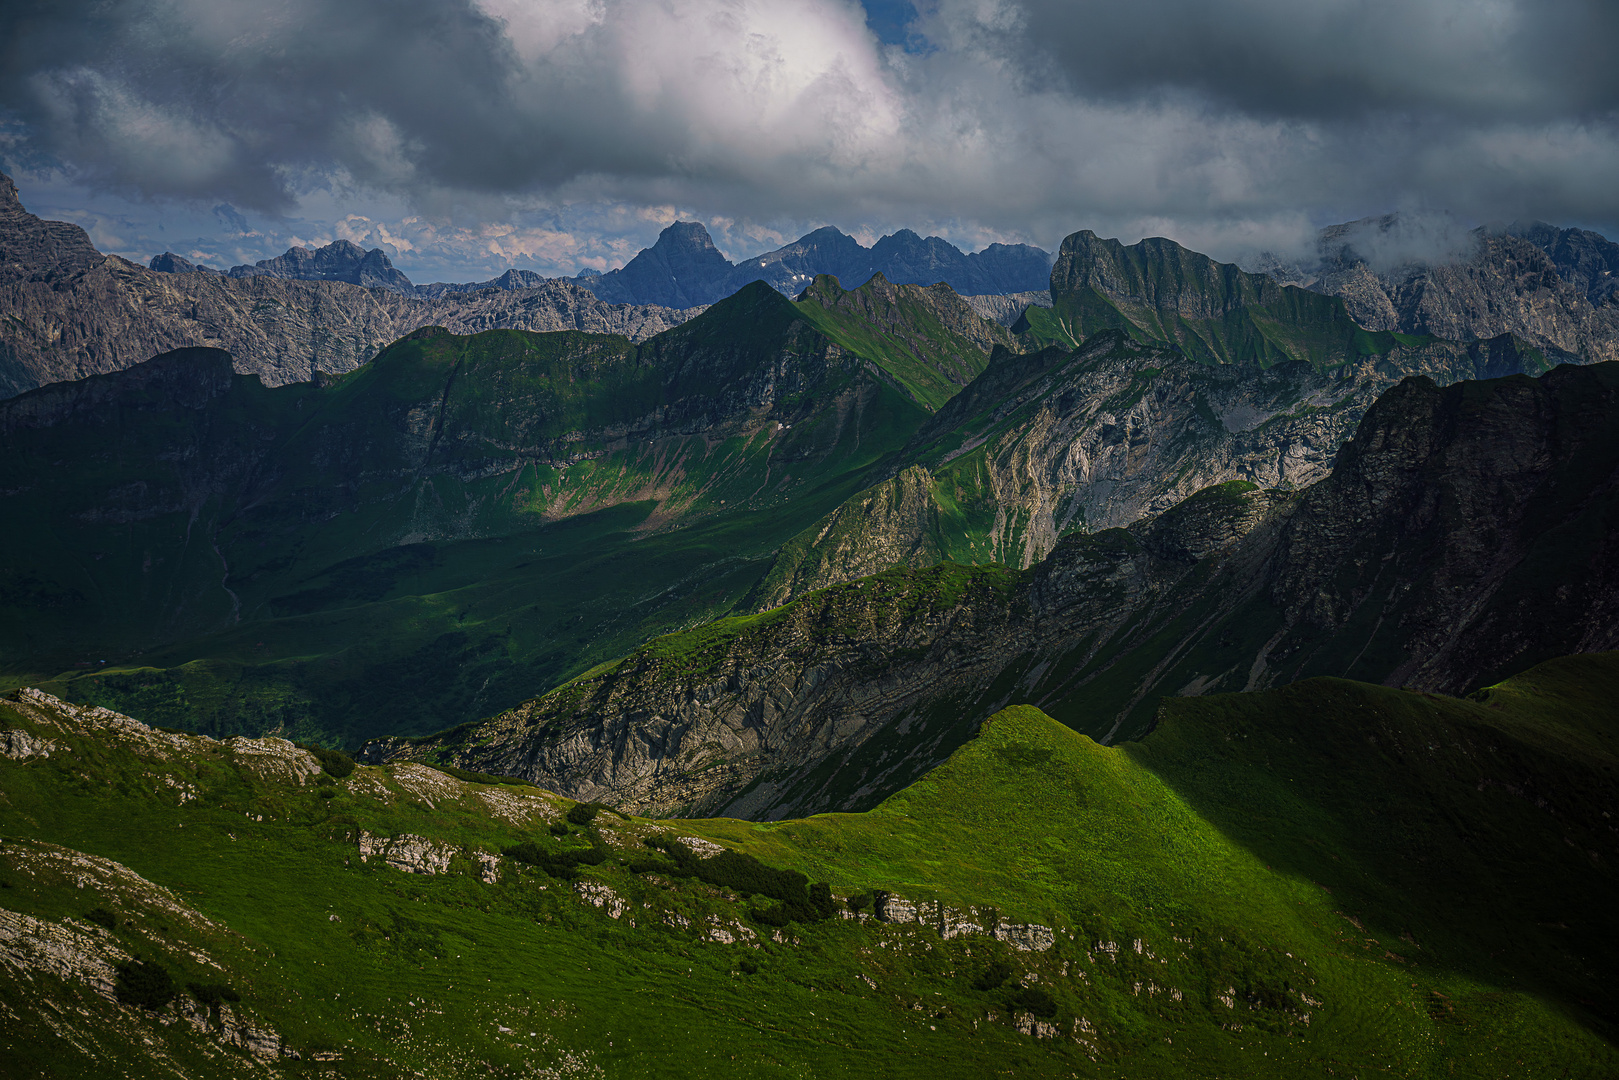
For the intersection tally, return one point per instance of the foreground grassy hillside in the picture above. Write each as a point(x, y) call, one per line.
point(1332, 879)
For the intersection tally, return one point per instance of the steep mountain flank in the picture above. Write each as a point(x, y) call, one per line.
point(931, 340)
point(1552, 288)
point(1055, 441)
point(454, 527)
point(1466, 532)
point(1009, 308)
point(70, 312)
point(1587, 260)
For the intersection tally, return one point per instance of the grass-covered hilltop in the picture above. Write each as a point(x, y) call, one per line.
point(1183, 681)
point(1329, 879)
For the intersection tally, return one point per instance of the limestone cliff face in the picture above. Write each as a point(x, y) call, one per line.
point(1007, 309)
point(1508, 285)
point(1054, 442)
point(73, 312)
point(1462, 536)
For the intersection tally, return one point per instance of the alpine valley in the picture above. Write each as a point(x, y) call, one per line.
point(850, 661)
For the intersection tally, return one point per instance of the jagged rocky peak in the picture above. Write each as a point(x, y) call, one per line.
point(170, 263)
point(340, 260)
point(1587, 260)
point(36, 250)
point(1157, 273)
point(683, 269)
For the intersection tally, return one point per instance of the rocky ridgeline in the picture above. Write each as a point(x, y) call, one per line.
point(73, 312)
point(1458, 538)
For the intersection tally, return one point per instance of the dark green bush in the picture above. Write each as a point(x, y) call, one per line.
point(559, 828)
point(325, 793)
point(102, 917)
point(860, 901)
point(771, 916)
point(582, 813)
point(1032, 999)
point(560, 862)
point(742, 873)
point(332, 762)
point(993, 976)
point(211, 994)
point(747, 967)
point(479, 777)
point(325, 781)
point(821, 901)
point(144, 985)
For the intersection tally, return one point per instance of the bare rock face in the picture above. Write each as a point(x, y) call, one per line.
point(1045, 444)
point(1509, 284)
point(1007, 309)
point(73, 312)
point(412, 854)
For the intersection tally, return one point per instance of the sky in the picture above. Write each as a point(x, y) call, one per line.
point(467, 136)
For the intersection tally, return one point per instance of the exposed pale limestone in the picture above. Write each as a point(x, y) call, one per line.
point(20, 746)
point(427, 784)
point(64, 950)
point(273, 758)
point(602, 896)
point(412, 854)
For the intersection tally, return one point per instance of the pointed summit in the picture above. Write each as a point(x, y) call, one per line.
point(683, 269)
point(338, 261)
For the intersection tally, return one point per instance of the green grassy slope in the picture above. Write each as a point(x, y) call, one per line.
point(927, 339)
point(1333, 879)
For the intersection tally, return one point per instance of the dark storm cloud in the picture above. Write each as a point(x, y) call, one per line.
point(1228, 125)
point(1473, 60)
point(225, 97)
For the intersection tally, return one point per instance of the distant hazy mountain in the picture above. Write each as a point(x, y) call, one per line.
point(685, 268)
point(511, 279)
point(337, 261)
point(69, 311)
point(343, 261)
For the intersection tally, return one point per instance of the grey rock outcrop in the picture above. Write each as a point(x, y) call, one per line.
point(1008, 308)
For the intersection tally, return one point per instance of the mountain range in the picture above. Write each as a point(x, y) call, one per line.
point(1190, 674)
point(73, 312)
point(684, 269)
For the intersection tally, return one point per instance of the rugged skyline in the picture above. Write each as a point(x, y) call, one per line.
point(468, 136)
